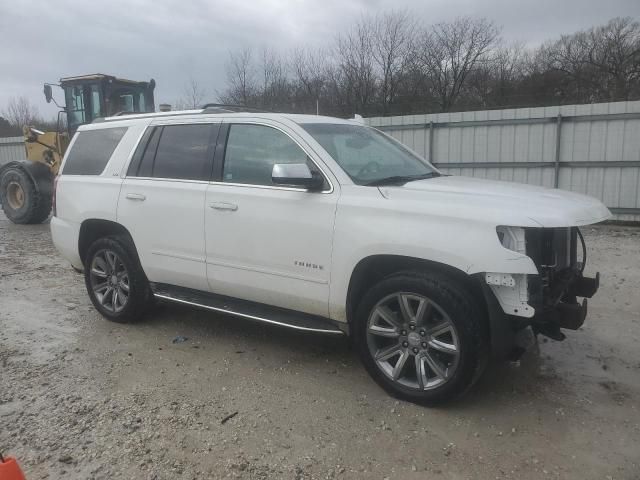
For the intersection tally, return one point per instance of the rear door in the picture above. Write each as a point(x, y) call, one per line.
point(162, 201)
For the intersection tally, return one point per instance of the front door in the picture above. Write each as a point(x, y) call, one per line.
point(162, 202)
point(266, 243)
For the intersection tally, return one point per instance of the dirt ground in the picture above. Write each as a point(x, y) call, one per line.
point(82, 398)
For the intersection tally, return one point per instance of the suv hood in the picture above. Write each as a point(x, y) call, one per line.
point(501, 203)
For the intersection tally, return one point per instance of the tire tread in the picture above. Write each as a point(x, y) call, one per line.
point(474, 329)
point(38, 205)
point(141, 298)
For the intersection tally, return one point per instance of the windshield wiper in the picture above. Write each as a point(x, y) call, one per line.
point(400, 179)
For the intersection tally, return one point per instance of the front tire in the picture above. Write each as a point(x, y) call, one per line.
point(422, 337)
point(115, 281)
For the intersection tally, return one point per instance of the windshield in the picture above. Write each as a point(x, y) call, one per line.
point(367, 155)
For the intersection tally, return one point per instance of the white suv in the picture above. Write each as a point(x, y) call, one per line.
point(322, 225)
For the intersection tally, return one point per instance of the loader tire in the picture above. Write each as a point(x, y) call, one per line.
point(22, 201)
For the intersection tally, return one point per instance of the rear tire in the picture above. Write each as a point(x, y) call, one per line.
point(22, 201)
point(115, 281)
point(422, 337)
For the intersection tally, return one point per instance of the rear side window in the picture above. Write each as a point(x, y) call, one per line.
point(175, 151)
point(92, 150)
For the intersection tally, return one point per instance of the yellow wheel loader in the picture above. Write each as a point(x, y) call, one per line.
point(26, 186)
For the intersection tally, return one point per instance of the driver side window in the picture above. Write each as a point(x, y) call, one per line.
point(252, 150)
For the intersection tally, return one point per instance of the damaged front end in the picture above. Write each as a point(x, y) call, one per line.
point(546, 301)
point(554, 292)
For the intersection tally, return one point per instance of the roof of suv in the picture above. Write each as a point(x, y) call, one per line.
point(294, 117)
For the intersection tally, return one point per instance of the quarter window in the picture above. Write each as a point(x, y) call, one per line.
point(91, 151)
point(252, 150)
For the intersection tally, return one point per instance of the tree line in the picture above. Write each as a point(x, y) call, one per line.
point(20, 111)
point(389, 64)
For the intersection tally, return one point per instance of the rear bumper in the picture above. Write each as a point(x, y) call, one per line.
point(65, 238)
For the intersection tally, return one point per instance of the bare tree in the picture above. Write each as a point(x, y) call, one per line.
point(494, 83)
point(275, 90)
point(602, 63)
point(8, 130)
point(564, 63)
point(309, 69)
point(354, 52)
point(614, 52)
point(21, 112)
point(193, 96)
point(241, 83)
point(393, 34)
point(448, 52)
point(385, 65)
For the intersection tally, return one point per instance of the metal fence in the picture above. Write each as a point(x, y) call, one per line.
point(592, 149)
point(11, 148)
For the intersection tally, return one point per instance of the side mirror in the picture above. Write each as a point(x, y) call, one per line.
point(48, 94)
point(296, 175)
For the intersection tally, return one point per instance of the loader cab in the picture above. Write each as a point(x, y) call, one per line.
point(94, 96)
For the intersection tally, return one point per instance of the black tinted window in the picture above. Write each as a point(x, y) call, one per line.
point(91, 151)
point(142, 161)
point(183, 152)
point(252, 150)
point(144, 149)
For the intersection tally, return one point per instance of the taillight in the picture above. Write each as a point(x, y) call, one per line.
point(53, 200)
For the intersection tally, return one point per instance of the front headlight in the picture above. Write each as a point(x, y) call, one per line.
point(512, 238)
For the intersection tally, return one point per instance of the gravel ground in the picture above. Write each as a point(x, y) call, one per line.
point(82, 398)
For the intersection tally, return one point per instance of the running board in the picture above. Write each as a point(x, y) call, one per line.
point(251, 310)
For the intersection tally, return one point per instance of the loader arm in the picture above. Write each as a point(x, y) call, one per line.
point(45, 147)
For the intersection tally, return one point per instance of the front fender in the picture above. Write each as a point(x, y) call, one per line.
point(368, 227)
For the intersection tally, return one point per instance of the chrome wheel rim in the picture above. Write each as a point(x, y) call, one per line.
point(109, 280)
point(413, 341)
point(15, 195)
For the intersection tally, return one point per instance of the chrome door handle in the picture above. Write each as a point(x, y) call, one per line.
point(136, 196)
point(223, 206)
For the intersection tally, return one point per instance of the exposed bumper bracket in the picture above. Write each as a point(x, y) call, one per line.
point(585, 286)
point(569, 315)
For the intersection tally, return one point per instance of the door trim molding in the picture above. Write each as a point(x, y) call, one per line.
point(176, 255)
point(275, 273)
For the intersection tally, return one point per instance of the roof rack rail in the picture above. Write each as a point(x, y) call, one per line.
point(229, 108)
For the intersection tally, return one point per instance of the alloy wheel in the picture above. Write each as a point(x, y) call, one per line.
point(413, 341)
point(109, 280)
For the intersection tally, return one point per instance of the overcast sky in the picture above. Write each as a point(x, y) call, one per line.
point(173, 41)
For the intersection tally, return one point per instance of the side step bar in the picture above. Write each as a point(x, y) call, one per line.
point(250, 310)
